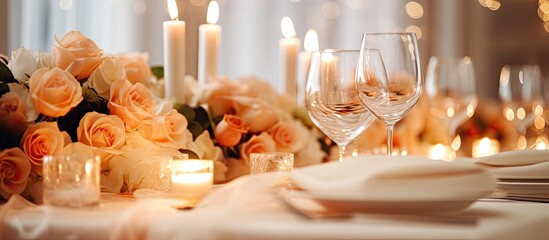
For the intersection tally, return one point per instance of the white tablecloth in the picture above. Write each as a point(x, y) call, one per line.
point(244, 209)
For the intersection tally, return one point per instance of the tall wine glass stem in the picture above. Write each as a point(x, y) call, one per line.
point(390, 127)
point(342, 152)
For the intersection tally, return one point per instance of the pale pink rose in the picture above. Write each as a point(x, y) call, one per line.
point(24, 62)
point(257, 115)
point(167, 130)
point(136, 66)
point(12, 114)
point(77, 54)
point(104, 133)
point(14, 171)
point(41, 139)
point(101, 79)
point(54, 92)
point(288, 136)
point(132, 103)
point(257, 144)
point(25, 100)
point(229, 131)
point(218, 95)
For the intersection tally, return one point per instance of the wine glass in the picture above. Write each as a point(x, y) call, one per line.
point(520, 91)
point(331, 98)
point(450, 86)
point(389, 78)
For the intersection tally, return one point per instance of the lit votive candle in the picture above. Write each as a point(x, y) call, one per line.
point(442, 152)
point(192, 179)
point(485, 147)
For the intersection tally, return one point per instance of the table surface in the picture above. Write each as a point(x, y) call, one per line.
point(245, 209)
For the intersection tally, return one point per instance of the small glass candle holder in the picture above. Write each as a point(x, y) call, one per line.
point(192, 179)
point(271, 162)
point(72, 180)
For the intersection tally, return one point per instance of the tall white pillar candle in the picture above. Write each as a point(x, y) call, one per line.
point(174, 55)
point(289, 48)
point(304, 60)
point(208, 45)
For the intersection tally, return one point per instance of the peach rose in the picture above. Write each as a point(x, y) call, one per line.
point(24, 62)
point(101, 79)
point(258, 115)
point(132, 103)
point(14, 172)
point(54, 92)
point(218, 94)
point(257, 144)
point(103, 133)
point(77, 54)
point(288, 136)
point(167, 130)
point(229, 131)
point(137, 68)
point(40, 139)
point(12, 115)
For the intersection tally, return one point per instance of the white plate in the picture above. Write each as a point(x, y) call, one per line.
point(532, 189)
point(359, 203)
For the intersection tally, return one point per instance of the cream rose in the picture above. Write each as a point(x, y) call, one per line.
point(54, 92)
point(257, 115)
point(41, 139)
point(136, 66)
point(77, 54)
point(101, 79)
point(14, 172)
point(229, 131)
point(24, 62)
point(104, 133)
point(257, 144)
point(132, 103)
point(167, 130)
point(288, 135)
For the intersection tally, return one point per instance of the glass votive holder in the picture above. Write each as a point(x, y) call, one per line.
point(192, 179)
point(72, 180)
point(271, 162)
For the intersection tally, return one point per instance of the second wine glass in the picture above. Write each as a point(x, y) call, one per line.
point(331, 98)
point(389, 78)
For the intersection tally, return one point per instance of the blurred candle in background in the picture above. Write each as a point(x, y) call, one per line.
point(209, 36)
point(485, 147)
point(289, 48)
point(174, 55)
point(304, 60)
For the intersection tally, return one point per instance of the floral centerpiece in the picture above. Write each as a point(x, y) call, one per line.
point(78, 99)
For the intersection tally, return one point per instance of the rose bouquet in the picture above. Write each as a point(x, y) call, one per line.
point(78, 99)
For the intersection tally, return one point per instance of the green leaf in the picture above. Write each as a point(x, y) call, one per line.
point(158, 71)
point(192, 155)
point(3, 88)
point(188, 112)
point(196, 129)
point(5, 74)
point(90, 95)
point(202, 117)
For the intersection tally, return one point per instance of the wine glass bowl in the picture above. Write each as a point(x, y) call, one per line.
point(331, 99)
point(388, 79)
point(451, 87)
point(520, 90)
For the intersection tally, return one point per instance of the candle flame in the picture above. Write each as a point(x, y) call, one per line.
point(287, 27)
point(213, 12)
point(485, 143)
point(311, 41)
point(172, 9)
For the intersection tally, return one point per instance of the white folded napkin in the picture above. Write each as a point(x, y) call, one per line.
point(398, 178)
point(521, 164)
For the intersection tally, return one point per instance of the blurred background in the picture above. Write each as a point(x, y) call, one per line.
point(492, 33)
